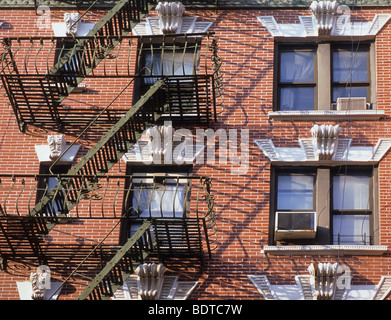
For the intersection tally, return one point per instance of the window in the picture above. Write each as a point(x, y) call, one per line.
point(351, 208)
point(342, 199)
point(313, 77)
point(154, 194)
point(297, 83)
point(47, 183)
point(350, 72)
point(65, 46)
point(171, 58)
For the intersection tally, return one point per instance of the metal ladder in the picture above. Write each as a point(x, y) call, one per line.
point(39, 95)
point(101, 158)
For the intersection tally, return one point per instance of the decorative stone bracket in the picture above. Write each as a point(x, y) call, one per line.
point(170, 16)
point(72, 23)
point(324, 13)
point(151, 280)
point(325, 138)
point(325, 145)
point(57, 145)
point(328, 19)
point(324, 276)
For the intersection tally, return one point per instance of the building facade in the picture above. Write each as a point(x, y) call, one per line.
point(195, 150)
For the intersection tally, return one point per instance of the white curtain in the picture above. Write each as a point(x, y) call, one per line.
point(297, 98)
point(350, 66)
point(171, 64)
point(295, 192)
point(297, 66)
point(166, 201)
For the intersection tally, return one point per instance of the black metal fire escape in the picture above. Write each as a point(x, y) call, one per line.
point(36, 99)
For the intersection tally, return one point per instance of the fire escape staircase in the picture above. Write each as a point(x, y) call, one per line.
point(28, 93)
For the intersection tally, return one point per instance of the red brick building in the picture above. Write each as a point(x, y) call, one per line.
point(242, 145)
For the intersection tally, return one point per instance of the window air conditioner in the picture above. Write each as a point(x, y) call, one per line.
point(359, 103)
point(295, 225)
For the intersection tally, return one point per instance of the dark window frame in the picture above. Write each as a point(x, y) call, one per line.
point(359, 47)
point(43, 181)
point(128, 197)
point(326, 208)
point(283, 47)
point(353, 171)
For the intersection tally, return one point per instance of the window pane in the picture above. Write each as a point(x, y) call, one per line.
point(352, 92)
point(350, 66)
point(297, 98)
point(297, 66)
point(172, 64)
point(295, 192)
point(351, 193)
point(351, 229)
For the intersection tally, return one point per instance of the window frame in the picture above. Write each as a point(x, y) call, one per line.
point(171, 45)
point(359, 47)
point(283, 47)
point(43, 181)
point(323, 66)
point(323, 196)
point(350, 212)
point(126, 223)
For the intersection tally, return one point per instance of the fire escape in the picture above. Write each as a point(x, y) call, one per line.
point(38, 74)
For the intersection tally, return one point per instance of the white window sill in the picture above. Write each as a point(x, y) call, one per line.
point(326, 115)
point(375, 250)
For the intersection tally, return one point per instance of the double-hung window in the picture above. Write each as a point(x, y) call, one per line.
point(314, 77)
point(352, 208)
point(169, 58)
point(153, 194)
point(296, 79)
point(350, 71)
point(47, 183)
point(295, 205)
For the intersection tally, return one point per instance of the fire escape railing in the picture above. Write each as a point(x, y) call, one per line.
point(121, 266)
point(104, 155)
point(185, 232)
point(30, 92)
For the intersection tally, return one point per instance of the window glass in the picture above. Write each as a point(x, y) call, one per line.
point(297, 98)
point(351, 192)
point(295, 192)
point(350, 65)
point(297, 79)
point(351, 229)
point(297, 66)
point(170, 64)
point(348, 91)
point(164, 201)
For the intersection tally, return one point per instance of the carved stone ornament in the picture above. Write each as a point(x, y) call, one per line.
point(151, 280)
point(170, 16)
point(57, 145)
point(324, 13)
point(324, 276)
point(325, 137)
point(161, 141)
point(38, 285)
point(72, 23)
